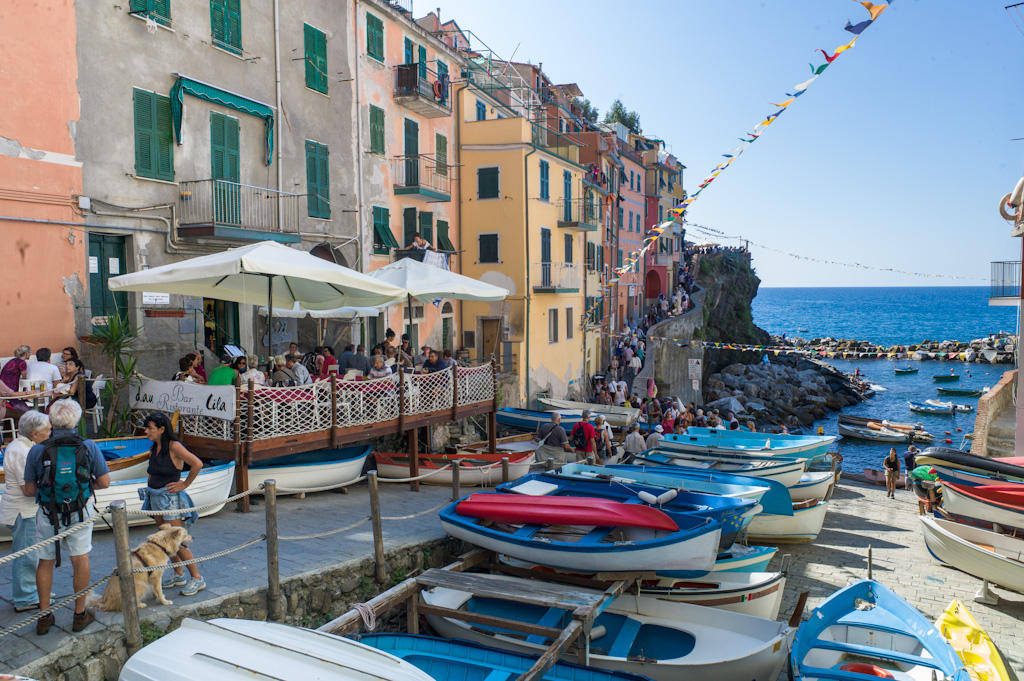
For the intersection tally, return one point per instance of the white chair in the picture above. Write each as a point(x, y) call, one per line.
point(351, 374)
point(8, 431)
point(97, 410)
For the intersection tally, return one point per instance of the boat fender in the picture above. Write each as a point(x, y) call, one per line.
point(666, 497)
point(865, 668)
point(647, 498)
point(947, 433)
point(959, 430)
point(597, 632)
point(948, 441)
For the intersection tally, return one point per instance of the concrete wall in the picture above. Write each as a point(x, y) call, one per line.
point(43, 274)
point(117, 53)
point(990, 406)
point(667, 362)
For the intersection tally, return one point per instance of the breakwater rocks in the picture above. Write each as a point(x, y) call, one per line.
point(996, 348)
point(791, 391)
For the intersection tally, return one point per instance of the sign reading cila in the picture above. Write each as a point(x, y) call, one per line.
point(191, 399)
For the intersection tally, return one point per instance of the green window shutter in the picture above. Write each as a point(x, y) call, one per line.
point(158, 10)
point(374, 37)
point(487, 183)
point(383, 239)
point(154, 150)
point(163, 139)
point(444, 241)
point(423, 62)
point(442, 69)
point(224, 147)
point(316, 58)
point(488, 247)
point(545, 185)
point(409, 51)
point(318, 184)
point(408, 225)
point(441, 153)
point(427, 226)
point(226, 24)
point(376, 130)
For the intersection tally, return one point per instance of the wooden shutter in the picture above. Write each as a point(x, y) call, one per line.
point(441, 153)
point(324, 175)
point(545, 186)
point(487, 183)
point(568, 247)
point(488, 247)
point(408, 51)
point(376, 130)
point(163, 140)
point(427, 226)
point(318, 183)
point(374, 37)
point(423, 62)
point(309, 40)
point(143, 104)
point(233, 11)
point(408, 225)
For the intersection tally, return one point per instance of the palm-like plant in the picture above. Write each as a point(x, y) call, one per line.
point(116, 340)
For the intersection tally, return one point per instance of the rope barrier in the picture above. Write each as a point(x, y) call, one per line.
point(55, 538)
point(202, 559)
point(310, 490)
point(59, 604)
point(418, 477)
point(328, 533)
point(198, 509)
point(416, 515)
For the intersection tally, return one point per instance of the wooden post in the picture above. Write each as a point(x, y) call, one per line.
point(455, 393)
point(378, 533)
point(412, 613)
point(274, 609)
point(126, 581)
point(401, 399)
point(492, 416)
point(83, 427)
point(414, 458)
point(236, 437)
point(456, 486)
point(504, 469)
point(334, 410)
point(243, 475)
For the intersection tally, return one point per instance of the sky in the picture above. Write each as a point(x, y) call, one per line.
point(897, 156)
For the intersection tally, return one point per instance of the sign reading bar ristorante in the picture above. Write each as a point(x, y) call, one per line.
point(192, 399)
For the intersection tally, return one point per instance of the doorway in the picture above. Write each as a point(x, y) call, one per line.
point(220, 327)
point(490, 332)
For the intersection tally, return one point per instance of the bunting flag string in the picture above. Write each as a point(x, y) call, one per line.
point(874, 11)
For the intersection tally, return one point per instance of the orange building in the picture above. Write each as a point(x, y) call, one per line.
point(44, 251)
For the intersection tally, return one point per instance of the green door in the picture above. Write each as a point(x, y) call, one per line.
point(446, 333)
point(106, 260)
point(227, 208)
point(408, 226)
point(412, 151)
point(567, 193)
point(545, 257)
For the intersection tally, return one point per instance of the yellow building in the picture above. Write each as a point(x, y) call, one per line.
point(525, 222)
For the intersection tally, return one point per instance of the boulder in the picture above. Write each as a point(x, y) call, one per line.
point(735, 369)
point(725, 405)
point(751, 389)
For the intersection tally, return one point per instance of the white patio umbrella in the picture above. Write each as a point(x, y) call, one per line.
point(298, 312)
point(264, 272)
point(427, 283)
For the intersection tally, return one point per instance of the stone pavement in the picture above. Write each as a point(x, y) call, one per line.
point(241, 570)
point(862, 516)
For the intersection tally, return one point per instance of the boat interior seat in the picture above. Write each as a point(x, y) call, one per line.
point(595, 536)
point(624, 640)
point(527, 531)
point(871, 651)
point(834, 674)
point(552, 618)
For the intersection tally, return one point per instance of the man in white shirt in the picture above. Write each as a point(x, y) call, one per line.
point(302, 376)
point(41, 371)
point(654, 438)
point(634, 443)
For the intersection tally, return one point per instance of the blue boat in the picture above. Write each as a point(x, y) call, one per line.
point(123, 447)
point(731, 513)
point(787, 472)
point(529, 420)
point(445, 659)
point(775, 500)
point(866, 631)
point(740, 558)
point(756, 444)
point(924, 408)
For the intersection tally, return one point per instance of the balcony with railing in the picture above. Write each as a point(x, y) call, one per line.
point(1005, 284)
point(422, 176)
point(422, 90)
point(581, 214)
point(556, 277)
point(430, 256)
point(222, 209)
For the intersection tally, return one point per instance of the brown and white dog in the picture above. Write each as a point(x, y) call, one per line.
point(158, 550)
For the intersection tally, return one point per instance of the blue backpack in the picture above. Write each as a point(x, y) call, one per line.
point(66, 485)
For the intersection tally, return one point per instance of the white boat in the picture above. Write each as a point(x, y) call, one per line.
point(475, 469)
point(229, 650)
point(740, 558)
point(995, 557)
point(801, 527)
point(319, 468)
point(786, 472)
point(812, 485)
point(663, 640)
point(881, 434)
point(971, 502)
point(212, 484)
point(951, 405)
point(619, 417)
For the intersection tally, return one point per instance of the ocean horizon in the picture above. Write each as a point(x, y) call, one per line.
point(887, 315)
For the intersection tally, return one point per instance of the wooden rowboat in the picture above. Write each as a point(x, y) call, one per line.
point(902, 371)
point(1001, 505)
point(801, 527)
point(946, 378)
point(960, 392)
point(913, 429)
point(127, 457)
point(995, 557)
point(619, 417)
point(319, 468)
point(475, 468)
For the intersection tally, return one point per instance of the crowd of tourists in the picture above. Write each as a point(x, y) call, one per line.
point(27, 375)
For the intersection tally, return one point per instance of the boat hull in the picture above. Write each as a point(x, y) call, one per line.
point(487, 475)
point(724, 446)
point(294, 473)
point(750, 593)
point(961, 546)
point(971, 643)
point(961, 501)
point(801, 527)
point(726, 646)
point(527, 420)
point(741, 558)
point(618, 417)
point(812, 485)
point(870, 435)
point(877, 477)
point(786, 473)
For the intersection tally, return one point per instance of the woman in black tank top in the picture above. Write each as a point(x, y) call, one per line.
point(167, 458)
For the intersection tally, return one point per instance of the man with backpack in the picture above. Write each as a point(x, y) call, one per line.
point(583, 437)
point(62, 473)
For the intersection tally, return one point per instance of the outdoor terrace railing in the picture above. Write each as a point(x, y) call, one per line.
point(225, 203)
point(422, 174)
point(423, 90)
point(556, 276)
point(1005, 279)
point(586, 211)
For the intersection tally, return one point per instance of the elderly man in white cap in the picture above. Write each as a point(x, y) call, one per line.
point(655, 437)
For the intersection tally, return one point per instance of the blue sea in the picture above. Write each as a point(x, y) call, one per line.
point(893, 316)
point(888, 316)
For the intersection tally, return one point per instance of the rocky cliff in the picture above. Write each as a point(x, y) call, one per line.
point(730, 284)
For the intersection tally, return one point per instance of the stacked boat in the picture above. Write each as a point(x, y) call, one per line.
point(978, 526)
point(881, 430)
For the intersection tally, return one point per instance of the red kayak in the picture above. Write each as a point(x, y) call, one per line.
point(530, 510)
point(1010, 496)
point(1014, 460)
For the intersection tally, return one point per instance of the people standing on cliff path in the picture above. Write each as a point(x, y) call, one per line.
point(892, 472)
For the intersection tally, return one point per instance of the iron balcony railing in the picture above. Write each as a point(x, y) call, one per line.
point(416, 80)
point(586, 210)
point(430, 256)
point(232, 204)
point(1005, 279)
point(552, 276)
point(422, 174)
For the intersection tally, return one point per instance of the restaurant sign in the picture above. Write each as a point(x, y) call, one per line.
point(191, 399)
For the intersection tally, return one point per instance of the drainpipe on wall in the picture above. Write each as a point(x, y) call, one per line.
point(528, 296)
point(458, 202)
point(280, 112)
point(359, 140)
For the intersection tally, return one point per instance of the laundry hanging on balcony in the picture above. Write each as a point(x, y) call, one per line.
point(211, 93)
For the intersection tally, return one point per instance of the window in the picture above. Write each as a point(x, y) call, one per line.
point(630, 221)
point(441, 153)
point(376, 130)
point(442, 70)
point(568, 247)
point(481, 111)
point(444, 241)
point(661, 214)
point(621, 221)
point(374, 37)
point(630, 179)
point(591, 256)
point(157, 10)
point(154, 147)
point(620, 258)
point(408, 225)
point(553, 325)
point(318, 181)
point(423, 62)
point(409, 50)
point(316, 58)
point(226, 24)
point(488, 247)
point(487, 183)
point(545, 181)
point(568, 323)
point(427, 226)
point(383, 239)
